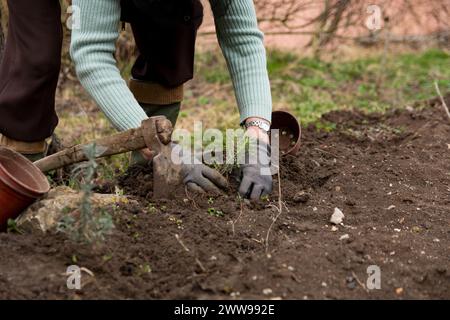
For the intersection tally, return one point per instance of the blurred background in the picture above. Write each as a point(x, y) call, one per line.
point(323, 55)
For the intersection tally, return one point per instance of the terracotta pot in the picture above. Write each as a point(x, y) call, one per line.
point(289, 130)
point(21, 183)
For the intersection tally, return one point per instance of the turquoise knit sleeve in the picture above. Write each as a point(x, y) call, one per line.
point(242, 44)
point(93, 47)
point(92, 50)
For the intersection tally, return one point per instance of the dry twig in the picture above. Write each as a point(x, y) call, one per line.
point(197, 261)
point(182, 243)
point(444, 105)
point(279, 209)
point(233, 222)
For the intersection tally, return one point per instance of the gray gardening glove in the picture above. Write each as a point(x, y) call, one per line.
point(255, 183)
point(200, 178)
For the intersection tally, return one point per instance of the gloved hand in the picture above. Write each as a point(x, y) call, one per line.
point(256, 179)
point(201, 178)
point(197, 176)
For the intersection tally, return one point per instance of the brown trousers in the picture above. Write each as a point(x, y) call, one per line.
point(32, 60)
point(29, 70)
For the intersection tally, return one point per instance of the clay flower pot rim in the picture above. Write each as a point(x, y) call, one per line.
point(43, 185)
point(287, 118)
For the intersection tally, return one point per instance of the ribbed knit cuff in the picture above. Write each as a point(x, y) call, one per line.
point(256, 110)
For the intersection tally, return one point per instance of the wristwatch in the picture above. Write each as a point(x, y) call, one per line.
point(262, 124)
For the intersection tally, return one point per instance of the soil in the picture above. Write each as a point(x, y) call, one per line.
point(389, 174)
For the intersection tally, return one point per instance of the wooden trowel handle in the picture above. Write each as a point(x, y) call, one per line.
point(130, 140)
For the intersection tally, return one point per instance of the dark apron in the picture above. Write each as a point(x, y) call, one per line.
point(165, 32)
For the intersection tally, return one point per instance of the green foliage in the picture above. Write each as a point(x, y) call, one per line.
point(325, 126)
point(12, 227)
point(215, 213)
point(83, 224)
point(151, 208)
point(311, 87)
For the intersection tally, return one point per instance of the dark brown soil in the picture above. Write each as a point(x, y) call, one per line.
point(389, 174)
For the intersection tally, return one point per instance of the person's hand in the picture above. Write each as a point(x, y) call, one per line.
point(201, 178)
point(197, 176)
point(256, 181)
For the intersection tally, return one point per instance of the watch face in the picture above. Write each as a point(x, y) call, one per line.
point(265, 126)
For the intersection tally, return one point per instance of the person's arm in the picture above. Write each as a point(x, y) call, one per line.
point(92, 50)
point(242, 45)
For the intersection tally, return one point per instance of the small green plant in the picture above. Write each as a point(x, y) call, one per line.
point(107, 257)
point(83, 224)
point(145, 269)
point(151, 208)
point(12, 227)
point(215, 213)
point(177, 221)
point(118, 192)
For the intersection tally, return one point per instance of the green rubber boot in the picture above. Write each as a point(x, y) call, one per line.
point(170, 111)
point(35, 157)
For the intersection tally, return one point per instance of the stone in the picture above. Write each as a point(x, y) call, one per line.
point(267, 291)
point(45, 214)
point(337, 217)
point(344, 237)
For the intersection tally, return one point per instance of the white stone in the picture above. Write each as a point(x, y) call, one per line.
point(267, 291)
point(344, 237)
point(337, 217)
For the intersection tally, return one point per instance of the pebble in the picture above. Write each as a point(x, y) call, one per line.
point(334, 228)
point(351, 282)
point(337, 217)
point(267, 291)
point(344, 237)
